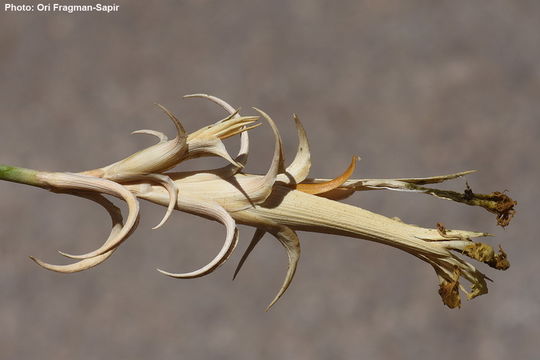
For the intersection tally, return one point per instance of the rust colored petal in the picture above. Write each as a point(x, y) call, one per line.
point(329, 185)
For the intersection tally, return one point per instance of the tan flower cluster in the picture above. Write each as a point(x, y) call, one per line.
point(280, 202)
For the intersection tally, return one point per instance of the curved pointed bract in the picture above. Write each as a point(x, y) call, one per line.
point(257, 236)
point(173, 194)
point(241, 158)
point(208, 140)
point(215, 211)
point(168, 184)
point(330, 185)
point(65, 181)
point(205, 147)
point(288, 238)
point(116, 218)
point(263, 186)
point(161, 136)
point(278, 148)
point(299, 168)
point(214, 99)
point(154, 159)
point(180, 131)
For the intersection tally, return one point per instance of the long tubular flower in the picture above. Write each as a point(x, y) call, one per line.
point(280, 202)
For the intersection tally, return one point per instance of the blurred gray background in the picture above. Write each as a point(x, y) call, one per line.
point(416, 88)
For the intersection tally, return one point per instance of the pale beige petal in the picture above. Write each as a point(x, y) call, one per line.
point(392, 184)
point(214, 146)
point(167, 183)
point(173, 194)
point(161, 136)
point(116, 218)
point(299, 168)
point(291, 243)
point(261, 187)
point(214, 99)
point(215, 211)
point(330, 185)
point(154, 159)
point(242, 157)
point(257, 236)
point(180, 131)
point(66, 181)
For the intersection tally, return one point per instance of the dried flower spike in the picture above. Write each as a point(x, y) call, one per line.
point(280, 202)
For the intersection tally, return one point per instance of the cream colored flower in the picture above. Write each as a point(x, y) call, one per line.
point(280, 202)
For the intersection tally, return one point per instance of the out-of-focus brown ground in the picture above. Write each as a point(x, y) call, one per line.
point(415, 88)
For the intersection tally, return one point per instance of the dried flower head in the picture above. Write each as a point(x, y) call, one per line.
point(280, 202)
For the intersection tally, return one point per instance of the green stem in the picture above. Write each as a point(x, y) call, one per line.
point(20, 175)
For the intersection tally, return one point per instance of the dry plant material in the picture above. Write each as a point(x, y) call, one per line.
point(280, 202)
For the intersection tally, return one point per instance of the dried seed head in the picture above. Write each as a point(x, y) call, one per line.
point(449, 290)
point(485, 253)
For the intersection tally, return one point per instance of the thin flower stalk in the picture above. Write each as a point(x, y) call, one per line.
point(280, 202)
